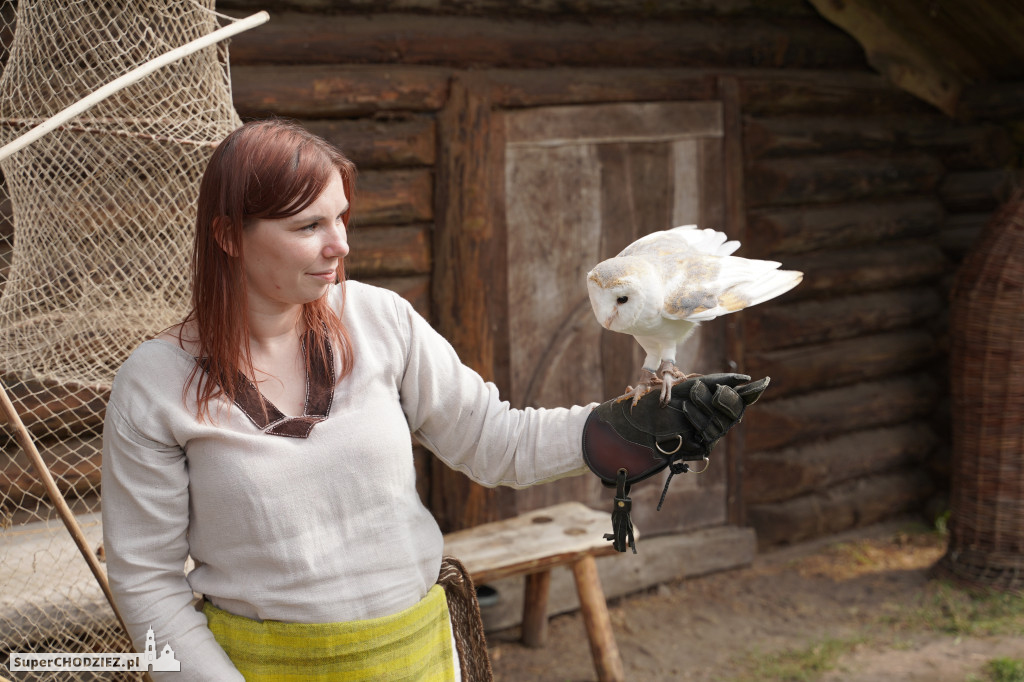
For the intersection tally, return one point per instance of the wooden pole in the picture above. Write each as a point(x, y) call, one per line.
point(127, 79)
point(535, 609)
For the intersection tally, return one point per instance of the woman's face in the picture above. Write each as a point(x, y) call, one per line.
point(292, 261)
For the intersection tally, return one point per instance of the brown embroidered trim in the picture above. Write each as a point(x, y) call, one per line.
point(319, 398)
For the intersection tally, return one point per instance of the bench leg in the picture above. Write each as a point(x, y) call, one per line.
point(605, 651)
point(535, 609)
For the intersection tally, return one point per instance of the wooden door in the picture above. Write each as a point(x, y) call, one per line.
point(582, 182)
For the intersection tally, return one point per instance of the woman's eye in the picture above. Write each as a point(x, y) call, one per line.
point(621, 299)
point(310, 227)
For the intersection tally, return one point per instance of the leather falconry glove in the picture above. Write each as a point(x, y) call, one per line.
point(624, 444)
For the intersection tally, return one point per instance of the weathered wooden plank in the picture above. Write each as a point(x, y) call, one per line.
point(841, 363)
point(824, 179)
point(402, 140)
point(389, 251)
point(48, 408)
point(769, 327)
point(74, 464)
point(471, 42)
point(541, 8)
point(6, 215)
point(336, 91)
point(819, 92)
point(776, 231)
point(393, 197)
point(784, 474)
point(857, 503)
point(532, 87)
point(957, 146)
point(415, 289)
point(530, 542)
point(976, 191)
point(825, 414)
point(866, 268)
point(470, 248)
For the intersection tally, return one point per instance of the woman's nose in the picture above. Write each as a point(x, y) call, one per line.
point(337, 244)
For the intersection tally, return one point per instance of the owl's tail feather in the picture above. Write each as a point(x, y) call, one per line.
point(769, 285)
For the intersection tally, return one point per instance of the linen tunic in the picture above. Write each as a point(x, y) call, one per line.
point(324, 528)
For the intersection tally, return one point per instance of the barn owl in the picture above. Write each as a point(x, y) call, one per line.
point(660, 287)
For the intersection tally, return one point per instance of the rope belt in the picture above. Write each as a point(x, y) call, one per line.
point(414, 644)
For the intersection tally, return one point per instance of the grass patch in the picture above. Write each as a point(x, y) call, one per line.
point(1005, 670)
point(945, 607)
point(797, 665)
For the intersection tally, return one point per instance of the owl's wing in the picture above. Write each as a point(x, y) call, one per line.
point(685, 239)
point(700, 288)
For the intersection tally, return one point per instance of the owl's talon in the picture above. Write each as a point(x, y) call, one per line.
point(670, 376)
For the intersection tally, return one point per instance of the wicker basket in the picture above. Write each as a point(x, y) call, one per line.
point(986, 544)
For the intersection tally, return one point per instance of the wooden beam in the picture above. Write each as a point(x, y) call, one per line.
point(900, 50)
point(389, 251)
point(805, 322)
point(393, 197)
point(336, 91)
point(976, 191)
point(546, 87)
point(842, 363)
point(775, 232)
point(403, 140)
point(785, 92)
point(481, 42)
point(841, 178)
point(784, 474)
point(469, 250)
point(825, 414)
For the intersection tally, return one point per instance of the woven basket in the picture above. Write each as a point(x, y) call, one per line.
point(986, 543)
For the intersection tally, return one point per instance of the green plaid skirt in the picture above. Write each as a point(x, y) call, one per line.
point(414, 644)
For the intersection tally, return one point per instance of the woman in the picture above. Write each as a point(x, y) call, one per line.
point(267, 437)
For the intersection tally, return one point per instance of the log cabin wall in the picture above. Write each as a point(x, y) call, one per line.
point(872, 193)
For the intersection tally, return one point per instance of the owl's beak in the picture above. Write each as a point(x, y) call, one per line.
point(608, 321)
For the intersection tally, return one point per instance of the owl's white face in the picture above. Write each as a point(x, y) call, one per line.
point(617, 299)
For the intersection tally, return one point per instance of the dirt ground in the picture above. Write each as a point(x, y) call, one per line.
point(855, 607)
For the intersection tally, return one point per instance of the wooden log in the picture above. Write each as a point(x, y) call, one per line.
point(480, 42)
point(825, 179)
point(389, 251)
point(393, 197)
point(415, 289)
point(6, 216)
point(867, 268)
point(50, 408)
point(805, 418)
point(957, 146)
point(784, 474)
point(532, 88)
point(1001, 100)
point(960, 232)
point(975, 191)
point(850, 505)
point(74, 464)
point(403, 140)
point(541, 8)
point(769, 327)
point(336, 91)
point(840, 363)
point(776, 231)
point(817, 92)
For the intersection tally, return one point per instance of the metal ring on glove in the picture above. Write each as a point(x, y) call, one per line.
point(672, 452)
point(707, 463)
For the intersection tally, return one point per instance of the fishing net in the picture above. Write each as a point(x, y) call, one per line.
point(94, 246)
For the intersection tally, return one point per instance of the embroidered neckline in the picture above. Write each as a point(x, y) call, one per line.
point(316, 408)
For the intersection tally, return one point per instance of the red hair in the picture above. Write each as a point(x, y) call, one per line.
point(266, 169)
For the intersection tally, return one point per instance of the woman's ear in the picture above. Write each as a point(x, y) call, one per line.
point(221, 232)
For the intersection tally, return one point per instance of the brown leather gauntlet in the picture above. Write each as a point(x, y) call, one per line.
point(624, 444)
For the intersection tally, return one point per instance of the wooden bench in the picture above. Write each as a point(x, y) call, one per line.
point(531, 544)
